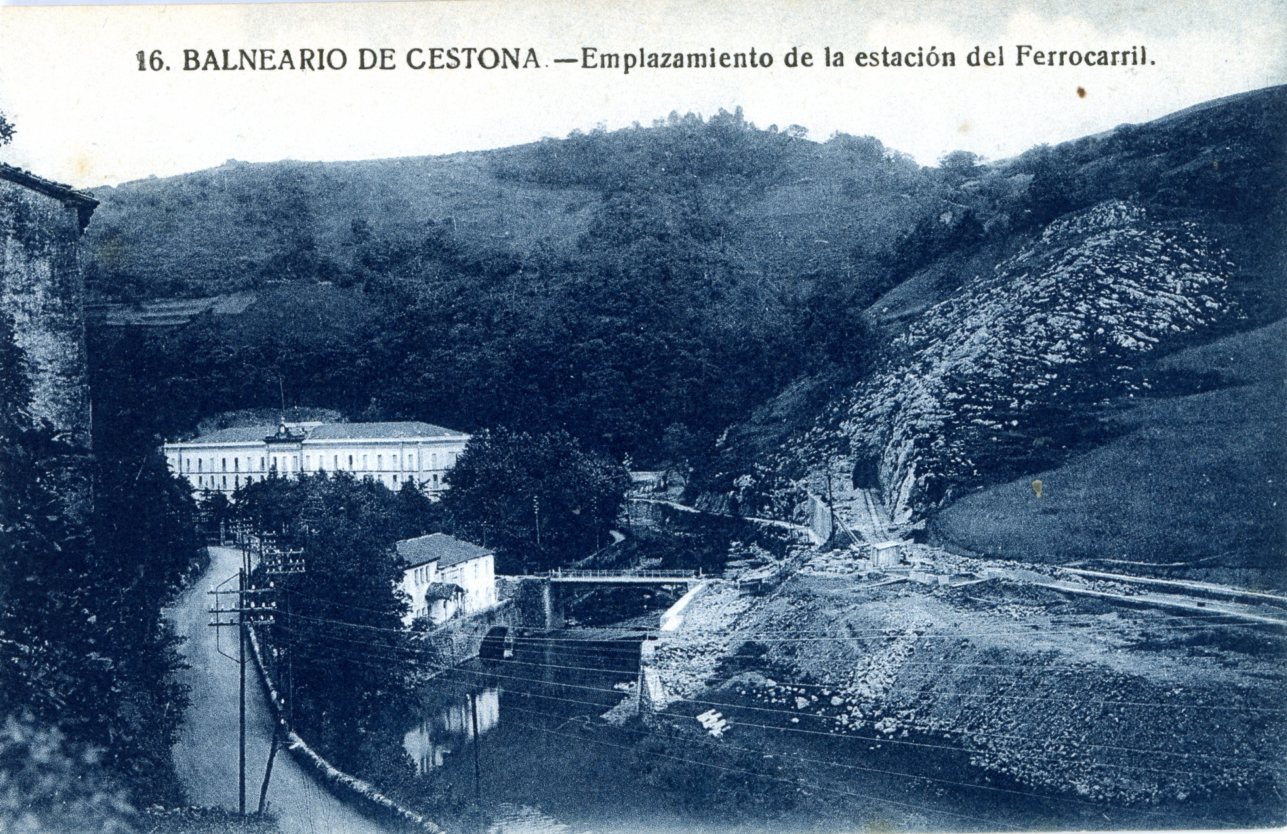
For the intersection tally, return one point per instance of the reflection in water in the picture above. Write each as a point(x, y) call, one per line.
point(435, 737)
point(537, 777)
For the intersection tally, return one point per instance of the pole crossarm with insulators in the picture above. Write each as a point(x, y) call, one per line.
point(241, 607)
point(249, 606)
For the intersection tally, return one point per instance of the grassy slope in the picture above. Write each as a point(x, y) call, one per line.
point(1197, 479)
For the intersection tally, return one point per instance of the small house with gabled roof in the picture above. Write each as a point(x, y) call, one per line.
point(446, 577)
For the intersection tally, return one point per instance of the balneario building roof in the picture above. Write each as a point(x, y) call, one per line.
point(369, 431)
point(408, 430)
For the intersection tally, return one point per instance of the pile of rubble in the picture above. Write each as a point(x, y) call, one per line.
point(1055, 696)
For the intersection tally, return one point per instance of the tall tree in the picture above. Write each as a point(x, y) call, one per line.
point(55, 676)
point(351, 674)
point(44, 623)
point(82, 593)
point(540, 500)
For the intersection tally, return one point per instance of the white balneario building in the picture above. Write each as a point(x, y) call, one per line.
point(391, 453)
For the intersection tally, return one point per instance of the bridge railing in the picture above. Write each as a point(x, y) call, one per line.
point(608, 573)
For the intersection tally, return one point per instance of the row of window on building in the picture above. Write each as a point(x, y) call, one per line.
point(354, 463)
point(433, 481)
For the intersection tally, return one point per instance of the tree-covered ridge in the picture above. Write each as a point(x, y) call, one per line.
point(630, 335)
point(241, 226)
point(705, 271)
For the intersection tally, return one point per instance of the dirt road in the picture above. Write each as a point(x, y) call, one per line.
point(206, 754)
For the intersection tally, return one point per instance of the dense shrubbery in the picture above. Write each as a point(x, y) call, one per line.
point(50, 784)
point(89, 662)
point(341, 620)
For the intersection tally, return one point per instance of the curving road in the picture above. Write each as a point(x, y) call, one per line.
point(206, 754)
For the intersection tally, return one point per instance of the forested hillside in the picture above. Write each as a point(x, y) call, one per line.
point(615, 284)
point(774, 200)
point(745, 303)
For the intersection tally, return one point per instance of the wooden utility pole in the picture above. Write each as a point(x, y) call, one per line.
point(255, 606)
point(278, 562)
point(241, 696)
point(249, 610)
point(268, 770)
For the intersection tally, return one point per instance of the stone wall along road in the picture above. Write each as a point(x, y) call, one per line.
point(206, 754)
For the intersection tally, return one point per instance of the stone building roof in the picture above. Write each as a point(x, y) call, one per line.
point(438, 547)
point(84, 203)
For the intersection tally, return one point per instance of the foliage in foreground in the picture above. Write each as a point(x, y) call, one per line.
point(50, 784)
point(88, 656)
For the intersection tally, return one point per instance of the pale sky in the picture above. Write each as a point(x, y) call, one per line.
point(86, 115)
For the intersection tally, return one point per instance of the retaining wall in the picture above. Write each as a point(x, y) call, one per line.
point(345, 786)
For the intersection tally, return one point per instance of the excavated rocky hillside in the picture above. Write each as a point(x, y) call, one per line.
point(1002, 372)
point(1012, 371)
point(1032, 322)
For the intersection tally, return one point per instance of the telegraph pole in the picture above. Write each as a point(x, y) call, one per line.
point(278, 562)
point(241, 695)
point(268, 769)
point(249, 611)
point(220, 620)
point(254, 608)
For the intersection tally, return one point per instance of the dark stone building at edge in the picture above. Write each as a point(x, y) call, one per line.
point(42, 290)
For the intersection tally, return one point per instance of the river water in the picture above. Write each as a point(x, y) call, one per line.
point(560, 749)
point(546, 761)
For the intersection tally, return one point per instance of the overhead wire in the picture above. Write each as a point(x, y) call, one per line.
point(928, 634)
point(723, 744)
point(935, 664)
point(797, 714)
point(767, 776)
point(377, 664)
